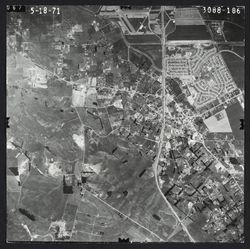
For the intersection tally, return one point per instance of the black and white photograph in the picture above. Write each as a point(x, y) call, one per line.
point(125, 123)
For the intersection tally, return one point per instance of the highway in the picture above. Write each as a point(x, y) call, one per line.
point(155, 164)
point(138, 51)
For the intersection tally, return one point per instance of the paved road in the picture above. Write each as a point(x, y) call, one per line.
point(155, 165)
point(129, 218)
point(138, 51)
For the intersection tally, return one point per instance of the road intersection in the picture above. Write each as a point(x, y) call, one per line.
point(155, 165)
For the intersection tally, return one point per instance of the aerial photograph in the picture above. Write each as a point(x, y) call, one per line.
point(125, 123)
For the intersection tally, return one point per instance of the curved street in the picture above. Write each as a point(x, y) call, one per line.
point(155, 165)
